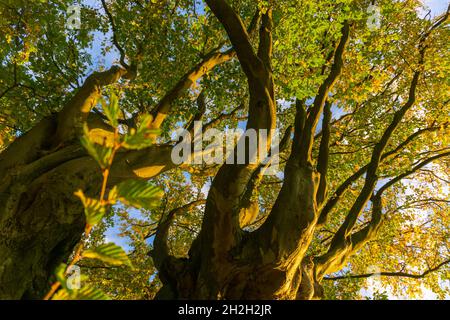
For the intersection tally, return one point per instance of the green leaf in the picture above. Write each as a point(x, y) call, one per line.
point(101, 154)
point(93, 209)
point(139, 194)
point(90, 293)
point(112, 109)
point(113, 195)
point(85, 293)
point(60, 274)
point(142, 137)
point(62, 294)
point(109, 253)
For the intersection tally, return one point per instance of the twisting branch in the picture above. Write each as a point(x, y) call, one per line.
point(411, 171)
point(169, 266)
point(391, 274)
point(265, 38)
point(254, 23)
point(299, 125)
point(295, 208)
point(114, 35)
point(211, 60)
point(361, 237)
point(371, 177)
point(331, 203)
point(249, 208)
point(322, 95)
point(221, 228)
point(238, 35)
point(75, 112)
point(344, 244)
point(342, 248)
point(161, 251)
point(340, 251)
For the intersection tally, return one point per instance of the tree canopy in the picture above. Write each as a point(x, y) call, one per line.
point(360, 204)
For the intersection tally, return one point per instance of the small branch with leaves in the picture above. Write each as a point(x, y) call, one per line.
point(136, 193)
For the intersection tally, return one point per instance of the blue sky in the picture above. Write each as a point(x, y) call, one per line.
point(436, 6)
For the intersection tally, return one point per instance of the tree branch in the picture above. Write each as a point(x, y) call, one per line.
point(76, 111)
point(161, 250)
point(114, 35)
point(319, 101)
point(265, 38)
point(331, 203)
point(238, 36)
point(222, 117)
point(221, 230)
point(249, 207)
point(411, 171)
point(371, 177)
point(211, 60)
point(391, 274)
point(341, 248)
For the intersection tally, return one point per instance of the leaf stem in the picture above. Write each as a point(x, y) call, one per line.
point(88, 228)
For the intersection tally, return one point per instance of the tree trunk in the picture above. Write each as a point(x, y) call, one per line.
point(237, 278)
point(268, 263)
point(40, 218)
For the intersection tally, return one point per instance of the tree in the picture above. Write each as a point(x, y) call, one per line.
point(364, 153)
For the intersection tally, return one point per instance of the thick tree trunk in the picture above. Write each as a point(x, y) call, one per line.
point(237, 278)
point(226, 262)
point(40, 225)
point(41, 221)
point(268, 263)
point(40, 218)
